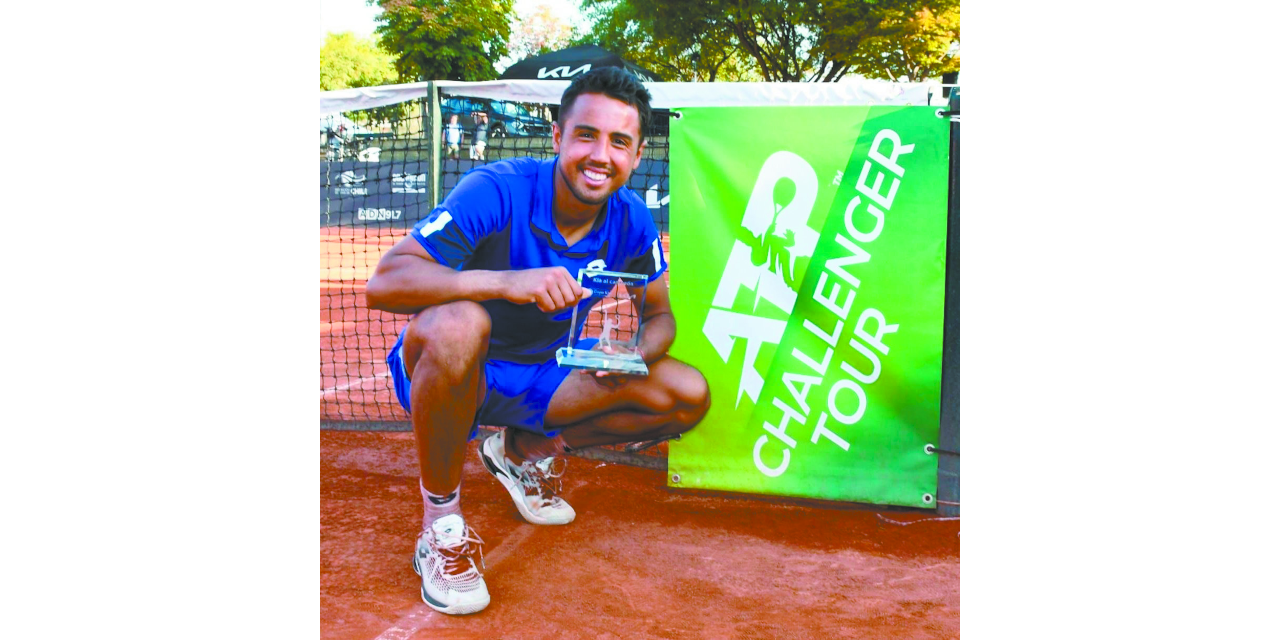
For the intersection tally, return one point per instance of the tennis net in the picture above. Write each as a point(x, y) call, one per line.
point(376, 182)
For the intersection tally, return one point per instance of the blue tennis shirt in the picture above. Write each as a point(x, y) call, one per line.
point(499, 218)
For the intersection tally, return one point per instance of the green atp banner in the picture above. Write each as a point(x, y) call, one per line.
point(809, 246)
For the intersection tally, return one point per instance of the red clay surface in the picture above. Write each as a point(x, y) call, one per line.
point(641, 561)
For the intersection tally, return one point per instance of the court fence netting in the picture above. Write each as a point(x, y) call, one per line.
point(386, 160)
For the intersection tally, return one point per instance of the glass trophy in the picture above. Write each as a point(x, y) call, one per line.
point(614, 321)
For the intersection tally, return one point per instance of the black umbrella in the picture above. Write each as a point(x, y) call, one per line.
point(567, 63)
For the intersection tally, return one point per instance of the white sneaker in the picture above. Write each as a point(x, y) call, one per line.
point(533, 486)
point(451, 583)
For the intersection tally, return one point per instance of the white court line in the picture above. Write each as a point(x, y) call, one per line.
point(423, 616)
point(343, 387)
point(405, 627)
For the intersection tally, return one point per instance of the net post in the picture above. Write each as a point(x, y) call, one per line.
point(949, 416)
point(436, 160)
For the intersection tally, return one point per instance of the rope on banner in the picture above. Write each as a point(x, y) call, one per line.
point(903, 524)
point(641, 446)
point(930, 450)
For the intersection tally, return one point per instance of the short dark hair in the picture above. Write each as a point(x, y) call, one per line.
point(615, 82)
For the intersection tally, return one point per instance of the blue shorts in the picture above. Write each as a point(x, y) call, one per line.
point(516, 395)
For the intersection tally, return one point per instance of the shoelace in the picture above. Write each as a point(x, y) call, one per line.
point(547, 482)
point(454, 556)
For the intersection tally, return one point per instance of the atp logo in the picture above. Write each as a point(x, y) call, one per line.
point(775, 236)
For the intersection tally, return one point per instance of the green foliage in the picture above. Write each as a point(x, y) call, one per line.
point(445, 39)
point(681, 40)
point(347, 61)
point(770, 40)
point(912, 46)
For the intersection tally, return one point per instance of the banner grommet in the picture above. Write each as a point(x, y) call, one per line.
point(928, 498)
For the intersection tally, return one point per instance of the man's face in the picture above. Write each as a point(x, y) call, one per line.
point(599, 147)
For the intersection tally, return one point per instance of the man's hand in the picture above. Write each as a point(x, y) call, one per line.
point(551, 288)
point(609, 379)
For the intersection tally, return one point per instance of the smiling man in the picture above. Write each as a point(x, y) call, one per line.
point(489, 277)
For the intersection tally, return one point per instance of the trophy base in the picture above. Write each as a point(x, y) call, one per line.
point(601, 361)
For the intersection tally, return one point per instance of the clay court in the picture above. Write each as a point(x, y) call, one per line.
point(640, 561)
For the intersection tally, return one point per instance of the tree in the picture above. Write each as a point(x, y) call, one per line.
point(539, 32)
point(445, 39)
point(772, 40)
point(680, 40)
point(913, 47)
point(347, 61)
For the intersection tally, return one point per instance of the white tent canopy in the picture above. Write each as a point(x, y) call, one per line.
point(666, 95)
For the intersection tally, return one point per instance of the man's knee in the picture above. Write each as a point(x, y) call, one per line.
point(696, 403)
point(696, 393)
point(691, 398)
point(453, 338)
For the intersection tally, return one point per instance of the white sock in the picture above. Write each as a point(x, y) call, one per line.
point(435, 507)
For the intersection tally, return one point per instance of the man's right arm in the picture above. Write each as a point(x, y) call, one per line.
point(408, 280)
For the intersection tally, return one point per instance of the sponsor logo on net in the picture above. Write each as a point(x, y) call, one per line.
point(351, 184)
point(408, 183)
point(378, 214)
